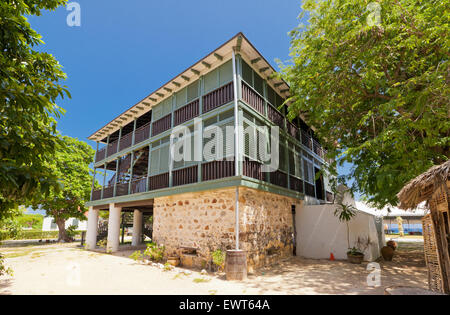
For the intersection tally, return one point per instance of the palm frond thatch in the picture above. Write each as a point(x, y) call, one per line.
point(422, 187)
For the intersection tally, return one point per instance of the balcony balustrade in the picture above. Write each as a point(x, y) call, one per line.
point(218, 97)
point(186, 113)
point(252, 98)
point(142, 133)
point(162, 125)
point(185, 176)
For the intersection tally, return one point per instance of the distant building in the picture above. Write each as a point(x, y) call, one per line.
point(412, 220)
point(49, 224)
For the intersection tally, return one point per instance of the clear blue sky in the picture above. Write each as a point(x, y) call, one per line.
point(123, 50)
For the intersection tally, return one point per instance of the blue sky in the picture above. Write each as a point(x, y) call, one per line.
point(123, 50)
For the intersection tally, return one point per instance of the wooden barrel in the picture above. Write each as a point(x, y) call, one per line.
point(236, 265)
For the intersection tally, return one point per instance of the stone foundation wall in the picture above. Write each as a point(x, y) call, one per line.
point(206, 221)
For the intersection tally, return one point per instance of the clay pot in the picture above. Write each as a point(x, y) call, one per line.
point(174, 261)
point(355, 259)
point(392, 244)
point(387, 252)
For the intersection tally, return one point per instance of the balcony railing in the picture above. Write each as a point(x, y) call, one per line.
point(279, 178)
point(275, 116)
point(309, 190)
point(293, 130)
point(108, 192)
point(112, 148)
point(217, 169)
point(252, 98)
point(296, 184)
point(217, 98)
point(142, 133)
point(96, 194)
point(161, 125)
point(126, 141)
point(186, 113)
point(253, 169)
point(158, 181)
point(101, 154)
point(122, 189)
point(139, 185)
point(185, 176)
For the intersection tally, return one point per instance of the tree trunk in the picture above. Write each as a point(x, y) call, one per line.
point(62, 236)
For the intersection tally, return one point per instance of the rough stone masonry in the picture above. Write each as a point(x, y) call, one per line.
point(193, 225)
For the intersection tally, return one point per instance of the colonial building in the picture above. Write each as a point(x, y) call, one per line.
point(212, 202)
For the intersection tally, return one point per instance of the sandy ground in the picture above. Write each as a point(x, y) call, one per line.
point(66, 269)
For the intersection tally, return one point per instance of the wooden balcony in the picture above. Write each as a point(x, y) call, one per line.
point(218, 97)
point(293, 130)
point(186, 113)
point(122, 189)
point(158, 181)
point(162, 125)
point(142, 133)
point(217, 169)
point(275, 116)
point(252, 169)
point(188, 175)
point(295, 184)
point(101, 154)
point(279, 178)
point(126, 141)
point(310, 190)
point(108, 192)
point(139, 185)
point(96, 194)
point(112, 148)
point(252, 98)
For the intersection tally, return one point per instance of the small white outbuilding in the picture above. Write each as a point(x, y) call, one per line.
point(320, 233)
point(50, 225)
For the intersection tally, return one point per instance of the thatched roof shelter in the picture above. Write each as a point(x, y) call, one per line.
point(423, 186)
point(433, 186)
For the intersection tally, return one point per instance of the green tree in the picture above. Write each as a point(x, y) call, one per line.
point(70, 164)
point(372, 79)
point(28, 111)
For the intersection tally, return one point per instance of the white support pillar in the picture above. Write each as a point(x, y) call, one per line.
point(91, 235)
point(137, 228)
point(113, 229)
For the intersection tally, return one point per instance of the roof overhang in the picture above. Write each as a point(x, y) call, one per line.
point(239, 43)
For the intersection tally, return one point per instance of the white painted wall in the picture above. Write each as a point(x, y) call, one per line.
point(319, 233)
point(48, 226)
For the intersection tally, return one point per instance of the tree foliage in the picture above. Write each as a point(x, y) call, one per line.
point(70, 165)
point(28, 111)
point(377, 93)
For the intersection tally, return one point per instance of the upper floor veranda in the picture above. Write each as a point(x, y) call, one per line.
point(134, 147)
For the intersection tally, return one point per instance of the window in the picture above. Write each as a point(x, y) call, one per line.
point(192, 91)
point(226, 72)
point(247, 73)
point(159, 157)
point(181, 98)
point(259, 84)
point(162, 109)
point(308, 171)
point(211, 81)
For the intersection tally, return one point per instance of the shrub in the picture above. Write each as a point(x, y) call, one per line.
point(154, 251)
point(137, 255)
point(71, 232)
point(3, 269)
point(37, 235)
point(218, 257)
